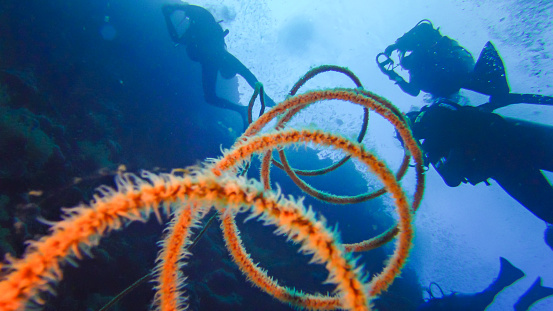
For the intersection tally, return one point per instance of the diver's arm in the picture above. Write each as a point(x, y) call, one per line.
point(408, 88)
point(233, 65)
point(405, 86)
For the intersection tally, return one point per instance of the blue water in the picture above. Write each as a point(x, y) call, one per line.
point(91, 85)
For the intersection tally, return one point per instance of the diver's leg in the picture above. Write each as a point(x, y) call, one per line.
point(209, 80)
point(534, 294)
point(231, 66)
point(530, 188)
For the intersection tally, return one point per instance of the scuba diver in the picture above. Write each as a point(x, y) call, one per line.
point(467, 143)
point(204, 38)
point(508, 275)
point(438, 65)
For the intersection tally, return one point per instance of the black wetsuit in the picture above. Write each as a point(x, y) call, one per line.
point(441, 70)
point(465, 144)
point(469, 144)
point(205, 43)
point(437, 64)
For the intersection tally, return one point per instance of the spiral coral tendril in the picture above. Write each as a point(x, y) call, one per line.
point(188, 197)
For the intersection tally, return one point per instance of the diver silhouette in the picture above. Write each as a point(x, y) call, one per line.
point(438, 65)
point(467, 143)
point(204, 38)
point(508, 275)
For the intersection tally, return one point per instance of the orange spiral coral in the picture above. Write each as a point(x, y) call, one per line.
point(187, 198)
point(367, 100)
point(265, 142)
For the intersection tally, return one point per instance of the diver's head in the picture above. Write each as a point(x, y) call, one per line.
point(422, 36)
point(425, 32)
point(406, 61)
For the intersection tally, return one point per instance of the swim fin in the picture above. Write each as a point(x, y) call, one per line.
point(535, 293)
point(489, 73)
point(508, 274)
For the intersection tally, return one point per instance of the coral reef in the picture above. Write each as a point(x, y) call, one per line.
point(37, 148)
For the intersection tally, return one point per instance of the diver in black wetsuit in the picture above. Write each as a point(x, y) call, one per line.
point(465, 144)
point(438, 65)
point(508, 275)
point(204, 39)
point(472, 144)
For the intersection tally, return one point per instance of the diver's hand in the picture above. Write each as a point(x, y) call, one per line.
point(392, 75)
